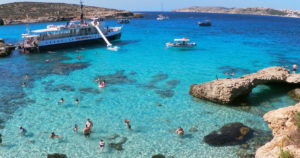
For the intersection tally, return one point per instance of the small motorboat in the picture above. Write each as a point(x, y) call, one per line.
point(181, 43)
point(123, 21)
point(206, 23)
point(162, 17)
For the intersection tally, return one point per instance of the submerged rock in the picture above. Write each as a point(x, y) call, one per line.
point(172, 83)
point(89, 90)
point(159, 77)
point(225, 91)
point(118, 146)
point(117, 78)
point(165, 93)
point(158, 156)
point(66, 68)
point(295, 93)
point(229, 134)
point(56, 155)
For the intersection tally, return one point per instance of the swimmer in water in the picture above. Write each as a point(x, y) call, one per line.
point(75, 129)
point(127, 122)
point(61, 100)
point(22, 130)
point(101, 84)
point(53, 135)
point(76, 101)
point(0, 139)
point(89, 124)
point(87, 131)
point(101, 144)
point(180, 131)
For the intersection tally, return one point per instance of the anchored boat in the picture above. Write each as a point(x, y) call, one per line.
point(123, 21)
point(162, 17)
point(73, 33)
point(206, 23)
point(181, 43)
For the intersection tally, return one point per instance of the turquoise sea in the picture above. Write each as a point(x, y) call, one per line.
point(146, 83)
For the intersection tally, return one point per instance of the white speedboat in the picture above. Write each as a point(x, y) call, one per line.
point(181, 43)
point(162, 17)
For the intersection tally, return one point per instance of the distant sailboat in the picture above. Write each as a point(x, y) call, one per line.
point(161, 16)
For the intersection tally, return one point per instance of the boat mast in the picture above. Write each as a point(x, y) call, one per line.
point(81, 15)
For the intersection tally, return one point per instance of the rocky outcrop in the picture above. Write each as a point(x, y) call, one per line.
point(225, 91)
point(230, 134)
point(285, 132)
point(295, 93)
point(34, 12)
point(255, 11)
point(5, 49)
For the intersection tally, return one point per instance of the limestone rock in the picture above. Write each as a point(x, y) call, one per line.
point(230, 134)
point(158, 156)
point(295, 93)
point(286, 134)
point(225, 91)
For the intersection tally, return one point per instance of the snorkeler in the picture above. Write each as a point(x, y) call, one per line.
point(101, 144)
point(127, 122)
point(53, 135)
point(180, 131)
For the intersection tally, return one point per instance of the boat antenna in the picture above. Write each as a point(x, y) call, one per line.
point(81, 15)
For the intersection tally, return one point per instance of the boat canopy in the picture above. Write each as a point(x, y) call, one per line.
point(182, 40)
point(45, 30)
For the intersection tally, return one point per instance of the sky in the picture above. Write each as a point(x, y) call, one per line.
point(168, 5)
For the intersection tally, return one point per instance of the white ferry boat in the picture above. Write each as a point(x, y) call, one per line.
point(73, 33)
point(181, 43)
point(162, 17)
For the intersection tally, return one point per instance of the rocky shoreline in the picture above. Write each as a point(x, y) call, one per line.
point(5, 48)
point(225, 91)
point(36, 12)
point(251, 11)
point(286, 134)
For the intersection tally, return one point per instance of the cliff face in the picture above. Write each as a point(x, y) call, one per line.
point(31, 12)
point(285, 132)
point(256, 11)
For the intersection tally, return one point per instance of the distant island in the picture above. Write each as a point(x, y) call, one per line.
point(34, 12)
point(254, 11)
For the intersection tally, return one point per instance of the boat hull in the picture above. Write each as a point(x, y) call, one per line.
point(72, 44)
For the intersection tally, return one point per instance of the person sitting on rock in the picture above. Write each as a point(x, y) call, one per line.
point(127, 122)
point(53, 135)
point(180, 131)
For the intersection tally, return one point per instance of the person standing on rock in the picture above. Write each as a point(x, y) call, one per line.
point(294, 68)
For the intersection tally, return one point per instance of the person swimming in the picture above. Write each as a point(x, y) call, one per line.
point(180, 131)
point(76, 101)
point(0, 139)
point(101, 144)
point(75, 129)
point(22, 130)
point(61, 100)
point(101, 84)
point(53, 135)
point(87, 131)
point(89, 124)
point(127, 122)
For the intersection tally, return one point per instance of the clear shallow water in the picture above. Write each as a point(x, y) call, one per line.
point(150, 87)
